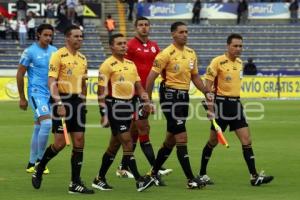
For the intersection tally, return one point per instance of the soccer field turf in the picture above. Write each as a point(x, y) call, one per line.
point(275, 140)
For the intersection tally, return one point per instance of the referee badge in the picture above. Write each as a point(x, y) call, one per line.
point(176, 68)
point(121, 79)
point(69, 72)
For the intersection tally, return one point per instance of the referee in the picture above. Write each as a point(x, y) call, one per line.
point(67, 83)
point(225, 74)
point(177, 65)
point(121, 78)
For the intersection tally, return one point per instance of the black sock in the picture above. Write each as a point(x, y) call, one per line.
point(148, 151)
point(206, 153)
point(249, 158)
point(107, 160)
point(130, 161)
point(162, 156)
point(76, 163)
point(183, 157)
point(123, 163)
point(48, 155)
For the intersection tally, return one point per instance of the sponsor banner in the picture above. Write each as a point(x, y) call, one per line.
point(216, 10)
point(91, 10)
point(270, 87)
point(269, 11)
point(9, 89)
point(252, 87)
point(289, 87)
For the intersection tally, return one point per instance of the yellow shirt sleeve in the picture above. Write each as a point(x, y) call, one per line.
point(195, 69)
point(104, 75)
point(54, 65)
point(212, 70)
point(160, 62)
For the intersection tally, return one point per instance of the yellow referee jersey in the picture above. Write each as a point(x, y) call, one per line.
point(119, 76)
point(176, 66)
point(226, 75)
point(69, 70)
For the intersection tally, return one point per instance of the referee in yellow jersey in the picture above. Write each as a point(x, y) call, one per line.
point(67, 83)
point(120, 77)
point(225, 74)
point(177, 65)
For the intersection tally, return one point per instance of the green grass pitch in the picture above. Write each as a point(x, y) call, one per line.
point(276, 140)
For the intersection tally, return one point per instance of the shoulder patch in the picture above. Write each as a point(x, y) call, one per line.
point(224, 62)
point(113, 64)
point(172, 52)
point(81, 56)
point(64, 55)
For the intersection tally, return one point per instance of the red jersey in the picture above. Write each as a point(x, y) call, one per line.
point(143, 55)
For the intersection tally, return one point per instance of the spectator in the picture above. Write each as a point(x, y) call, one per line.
point(49, 13)
point(31, 26)
point(250, 68)
point(130, 7)
point(22, 28)
point(242, 12)
point(13, 25)
point(21, 9)
point(71, 5)
point(196, 12)
point(79, 12)
point(63, 21)
point(110, 25)
point(294, 6)
point(2, 27)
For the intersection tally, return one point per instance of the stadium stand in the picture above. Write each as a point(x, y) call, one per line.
point(92, 47)
point(270, 46)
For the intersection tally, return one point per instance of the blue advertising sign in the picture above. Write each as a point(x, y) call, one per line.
point(215, 10)
point(269, 10)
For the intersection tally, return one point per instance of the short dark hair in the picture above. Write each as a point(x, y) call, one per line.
point(233, 36)
point(175, 25)
point(70, 28)
point(113, 37)
point(42, 27)
point(140, 19)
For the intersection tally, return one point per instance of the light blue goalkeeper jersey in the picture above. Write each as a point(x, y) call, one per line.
point(36, 60)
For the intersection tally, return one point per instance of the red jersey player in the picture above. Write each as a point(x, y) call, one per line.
point(142, 52)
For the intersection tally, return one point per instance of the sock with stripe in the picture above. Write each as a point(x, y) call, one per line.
point(183, 157)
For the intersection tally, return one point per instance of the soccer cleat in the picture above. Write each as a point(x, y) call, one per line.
point(206, 179)
point(158, 181)
point(144, 182)
point(101, 184)
point(195, 183)
point(46, 171)
point(123, 173)
point(79, 188)
point(164, 171)
point(36, 179)
point(261, 178)
point(30, 170)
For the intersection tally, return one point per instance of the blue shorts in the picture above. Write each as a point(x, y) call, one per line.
point(40, 106)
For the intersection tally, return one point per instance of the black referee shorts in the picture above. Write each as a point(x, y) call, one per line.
point(175, 106)
point(75, 114)
point(119, 113)
point(229, 111)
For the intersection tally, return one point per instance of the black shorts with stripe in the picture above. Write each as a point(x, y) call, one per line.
point(175, 106)
point(119, 113)
point(75, 114)
point(229, 112)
